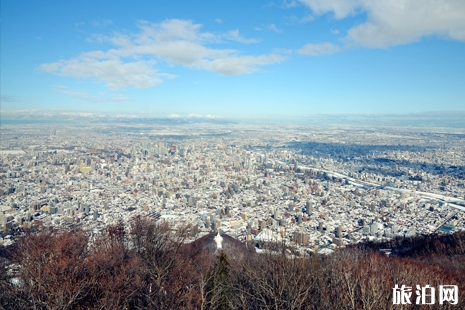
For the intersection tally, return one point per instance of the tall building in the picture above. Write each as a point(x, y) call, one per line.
point(301, 237)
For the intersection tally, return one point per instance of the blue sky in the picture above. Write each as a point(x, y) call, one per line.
point(232, 58)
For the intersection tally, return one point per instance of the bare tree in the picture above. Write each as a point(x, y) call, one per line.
point(52, 268)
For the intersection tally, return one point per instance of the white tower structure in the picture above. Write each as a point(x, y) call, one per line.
point(218, 239)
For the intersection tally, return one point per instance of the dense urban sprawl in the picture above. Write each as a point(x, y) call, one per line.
point(315, 188)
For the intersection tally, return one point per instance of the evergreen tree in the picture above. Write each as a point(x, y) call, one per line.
point(219, 285)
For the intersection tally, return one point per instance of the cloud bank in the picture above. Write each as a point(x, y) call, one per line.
point(318, 49)
point(133, 59)
point(391, 23)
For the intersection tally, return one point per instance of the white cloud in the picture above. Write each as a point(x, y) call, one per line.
point(237, 65)
point(274, 28)
point(301, 20)
point(271, 27)
point(234, 35)
point(102, 23)
point(193, 115)
point(176, 42)
point(318, 49)
point(112, 71)
point(219, 21)
point(125, 116)
point(340, 8)
point(282, 51)
point(88, 97)
point(290, 4)
point(172, 30)
point(391, 23)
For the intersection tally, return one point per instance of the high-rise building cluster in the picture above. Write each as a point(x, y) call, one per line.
point(259, 184)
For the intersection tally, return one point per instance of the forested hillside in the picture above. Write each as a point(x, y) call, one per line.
point(148, 266)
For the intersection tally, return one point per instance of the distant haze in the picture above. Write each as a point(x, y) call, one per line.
point(453, 119)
